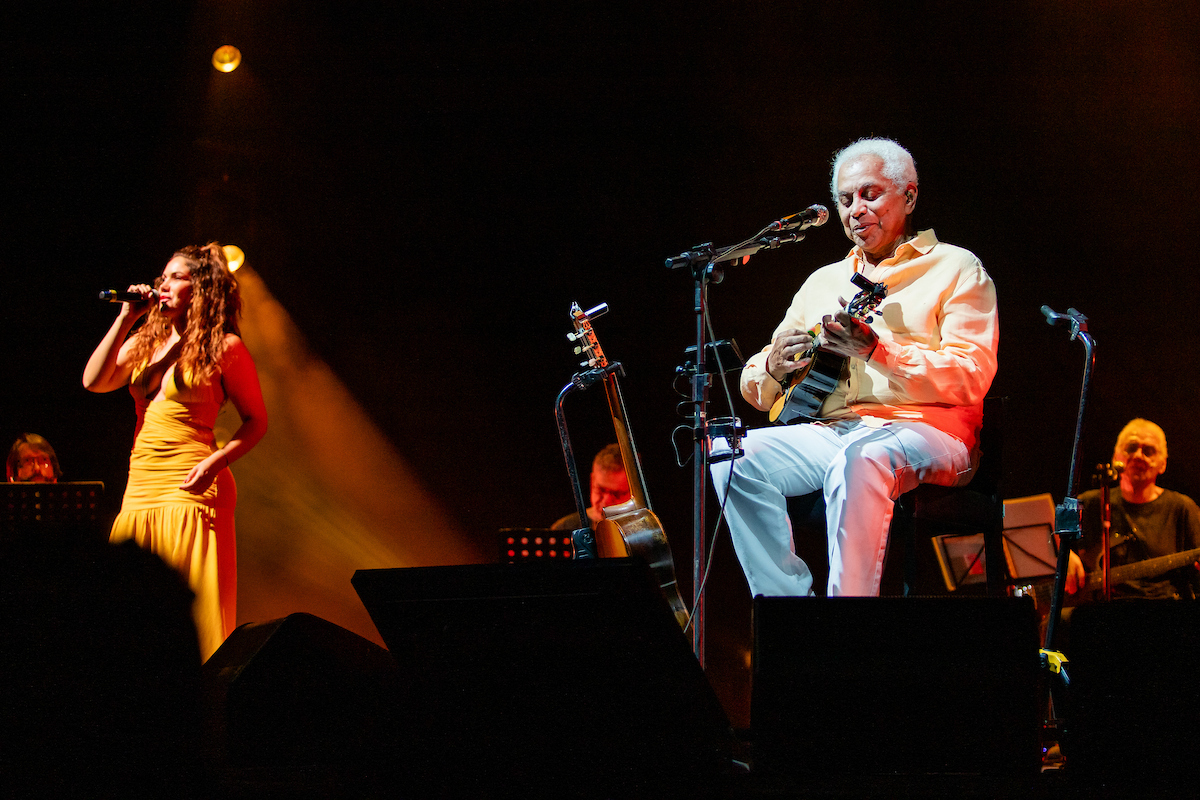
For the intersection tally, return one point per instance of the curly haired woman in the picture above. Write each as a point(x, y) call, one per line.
point(181, 366)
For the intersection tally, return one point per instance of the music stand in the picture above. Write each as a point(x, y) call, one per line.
point(539, 545)
point(45, 507)
point(1029, 551)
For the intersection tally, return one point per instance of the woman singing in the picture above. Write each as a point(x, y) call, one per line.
point(181, 366)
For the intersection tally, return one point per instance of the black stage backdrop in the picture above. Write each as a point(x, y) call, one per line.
point(424, 187)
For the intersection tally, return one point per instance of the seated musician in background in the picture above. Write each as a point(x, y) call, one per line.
point(1148, 522)
point(909, 403)
point(31, 459)
point(609, 487)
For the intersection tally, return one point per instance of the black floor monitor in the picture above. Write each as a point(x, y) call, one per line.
point(539, 675)
point(851, 686)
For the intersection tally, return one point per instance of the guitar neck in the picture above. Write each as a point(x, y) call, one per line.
point(629, 453)
point(1149, 568)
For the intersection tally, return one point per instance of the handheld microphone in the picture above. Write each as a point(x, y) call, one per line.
point(118, 296)
point(812, 217)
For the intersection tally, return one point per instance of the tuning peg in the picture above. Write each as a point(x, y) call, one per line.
point(572, 336)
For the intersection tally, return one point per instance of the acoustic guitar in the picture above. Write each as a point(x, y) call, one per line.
point(631, 528)
point(809, 386)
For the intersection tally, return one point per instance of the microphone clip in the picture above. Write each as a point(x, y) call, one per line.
point(699, 255)
point(1107, 474)
point(731, 429)
point(1076, 321)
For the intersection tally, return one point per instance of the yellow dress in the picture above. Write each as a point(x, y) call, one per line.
point(191, 532)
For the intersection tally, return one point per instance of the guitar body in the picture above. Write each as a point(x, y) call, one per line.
point(803, 399)
point(628, 530)
point(809, 387)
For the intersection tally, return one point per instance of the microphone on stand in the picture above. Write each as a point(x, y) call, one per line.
point(1051, 315)
point(119, 296)
point(812, 217)
point(1108, 474)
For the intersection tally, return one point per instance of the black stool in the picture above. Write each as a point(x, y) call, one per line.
point(927, 511)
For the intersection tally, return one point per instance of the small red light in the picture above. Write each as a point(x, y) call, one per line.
point(538, 553)
point(524, 540)
point(512, 553)
point(553, 553)
point(524, 554)
point(538, 540)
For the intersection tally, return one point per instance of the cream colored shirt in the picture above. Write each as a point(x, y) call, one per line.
point(938, 331)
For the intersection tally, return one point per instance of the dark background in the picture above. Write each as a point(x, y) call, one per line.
point(426, 186)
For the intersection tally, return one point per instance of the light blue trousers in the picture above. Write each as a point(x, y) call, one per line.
point(860, 469)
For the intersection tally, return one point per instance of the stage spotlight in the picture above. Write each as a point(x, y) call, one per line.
point(233, 255)
point(226, 58)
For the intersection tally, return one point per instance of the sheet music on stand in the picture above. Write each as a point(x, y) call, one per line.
point(1029, 551)
point(33, 507)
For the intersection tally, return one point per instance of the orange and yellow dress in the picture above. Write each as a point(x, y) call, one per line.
point(191, 532)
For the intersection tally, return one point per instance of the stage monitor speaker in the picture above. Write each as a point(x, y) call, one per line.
point(301, 691)
point(572, 679)
point(882, 685)
point(1135, 693)
point(101, 671)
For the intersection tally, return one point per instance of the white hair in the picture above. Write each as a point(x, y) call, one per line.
point(898, 164)
point(1134, 425)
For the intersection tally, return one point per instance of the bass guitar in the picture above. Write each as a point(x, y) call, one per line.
point(809, 386)
point(631, 528)
point(1149, 568)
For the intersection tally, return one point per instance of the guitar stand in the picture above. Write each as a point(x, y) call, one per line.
point(583, 540)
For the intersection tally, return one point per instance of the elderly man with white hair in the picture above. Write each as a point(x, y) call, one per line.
point(1149, 524)
point(906, 406)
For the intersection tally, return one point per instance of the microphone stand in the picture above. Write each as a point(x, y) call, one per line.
point(702, 262)
point(1106, 476)
point(1067, 515)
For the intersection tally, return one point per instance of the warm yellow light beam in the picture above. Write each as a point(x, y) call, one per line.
point(324, 493)
point(234, 256)
point(226, 58)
